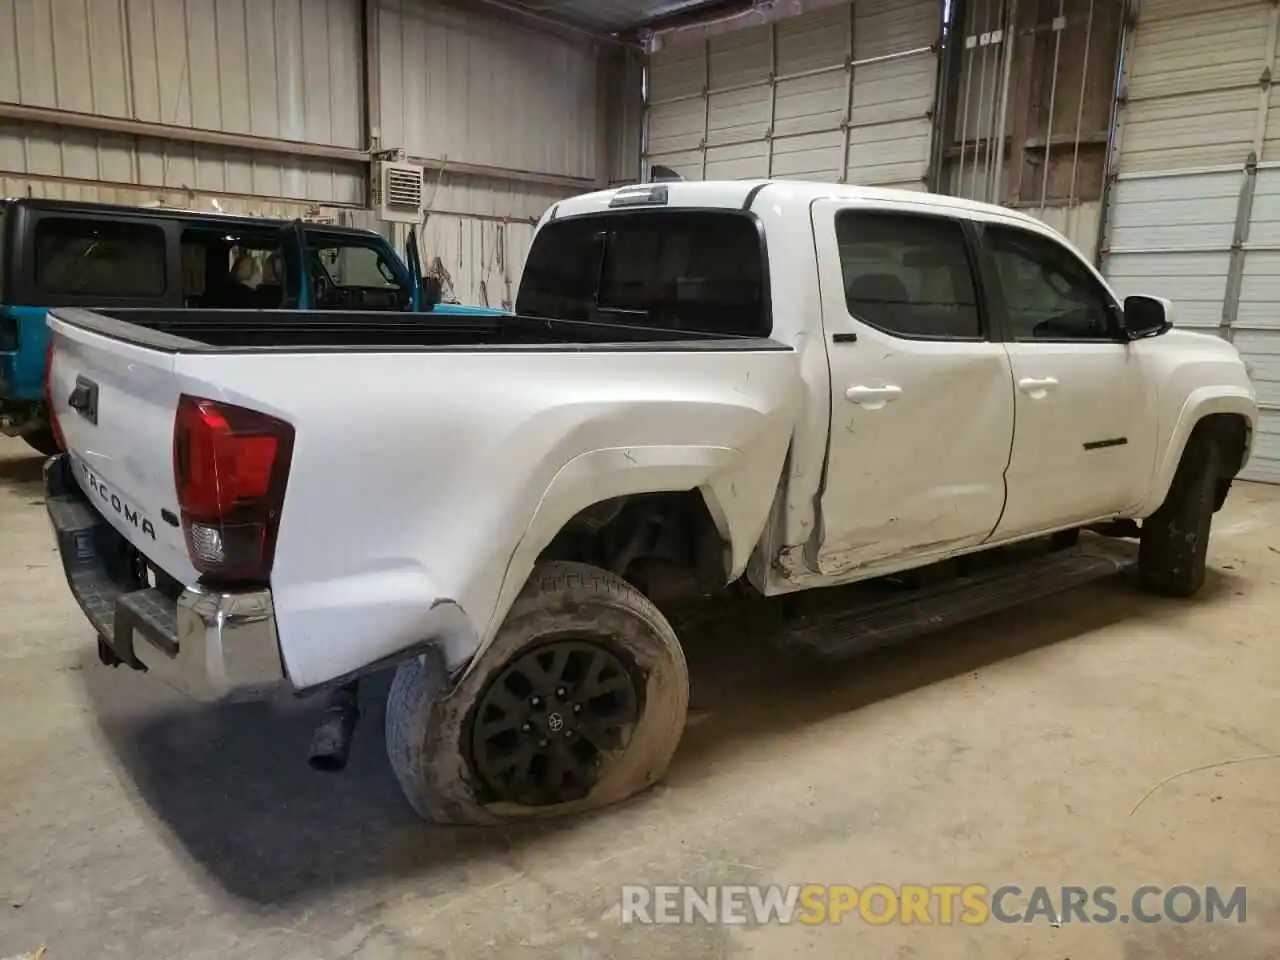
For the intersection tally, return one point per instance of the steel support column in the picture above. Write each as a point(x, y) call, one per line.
point(1248, 185)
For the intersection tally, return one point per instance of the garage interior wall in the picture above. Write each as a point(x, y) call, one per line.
point(259, 68)
point(841, 93)
point(1194, 209)
point(271, 107)
point(457, 85)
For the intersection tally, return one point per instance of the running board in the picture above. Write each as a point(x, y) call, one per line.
point(871, 622)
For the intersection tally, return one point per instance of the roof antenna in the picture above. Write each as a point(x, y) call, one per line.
point(660, 174)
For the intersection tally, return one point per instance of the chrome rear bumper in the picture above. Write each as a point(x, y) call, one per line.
point(212, 645)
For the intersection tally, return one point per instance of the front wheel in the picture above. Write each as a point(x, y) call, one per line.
point(1174, 544)
point(579, 702)
point(43, 441)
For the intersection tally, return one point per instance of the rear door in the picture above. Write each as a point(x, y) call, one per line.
point(921, 398)
point(115, 403)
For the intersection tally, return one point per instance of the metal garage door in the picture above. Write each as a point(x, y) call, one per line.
point(1194, 210)
point(845, 93)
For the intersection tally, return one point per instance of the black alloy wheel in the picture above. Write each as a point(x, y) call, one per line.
point(543, 724)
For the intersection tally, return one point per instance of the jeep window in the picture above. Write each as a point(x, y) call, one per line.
point(99, 258)
point(698, 270)
point(908, 275)
point(229, 268)
point(346, 265)
point(353, 276)
point(4, 227)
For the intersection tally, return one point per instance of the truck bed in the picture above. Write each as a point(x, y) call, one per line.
point(430, 459)
point(254, 331)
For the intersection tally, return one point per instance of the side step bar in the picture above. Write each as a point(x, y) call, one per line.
point(873, 623)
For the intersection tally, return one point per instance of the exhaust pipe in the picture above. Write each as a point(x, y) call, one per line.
point(331, 742)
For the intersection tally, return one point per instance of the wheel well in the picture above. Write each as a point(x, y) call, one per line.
point(665, 544)
point(1232, 433)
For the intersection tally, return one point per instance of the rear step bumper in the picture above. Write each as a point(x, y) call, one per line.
point(212, 646)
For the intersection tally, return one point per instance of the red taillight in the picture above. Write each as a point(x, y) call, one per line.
point(230, 467)
point(48, 397)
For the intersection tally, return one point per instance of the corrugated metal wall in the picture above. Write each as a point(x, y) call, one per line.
point(458, 86)
point(844, 94)
point(1194, 211)
point(262, 106)
point(257, 67)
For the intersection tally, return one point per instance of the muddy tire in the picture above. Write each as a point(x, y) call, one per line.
point(432, 739)
point(42, 441)
point(1175, 539)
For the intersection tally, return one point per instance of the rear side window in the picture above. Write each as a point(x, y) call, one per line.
point(698, 270)
point(908, 275)
point(99, 258)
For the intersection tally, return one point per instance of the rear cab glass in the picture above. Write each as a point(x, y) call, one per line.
point(694, 270)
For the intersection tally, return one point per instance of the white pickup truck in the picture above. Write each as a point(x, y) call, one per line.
point(786, 385)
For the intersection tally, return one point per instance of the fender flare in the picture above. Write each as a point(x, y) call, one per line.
point(1202, 402)
point(605, 473)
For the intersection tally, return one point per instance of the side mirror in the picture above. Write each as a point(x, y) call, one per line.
point(1147, 316)
point(431, 292)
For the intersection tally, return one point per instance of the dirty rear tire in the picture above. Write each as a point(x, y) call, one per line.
point(1174, 545)
point(428, 732)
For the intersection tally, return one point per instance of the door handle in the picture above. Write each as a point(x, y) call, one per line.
point(873, 396)
point(1037, 386)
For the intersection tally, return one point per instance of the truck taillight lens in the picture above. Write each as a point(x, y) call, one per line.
point(230, 467)
point(48, 397)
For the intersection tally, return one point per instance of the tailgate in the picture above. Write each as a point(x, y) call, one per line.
point(115, 403)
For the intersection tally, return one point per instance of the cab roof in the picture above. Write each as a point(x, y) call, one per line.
point(741, 194)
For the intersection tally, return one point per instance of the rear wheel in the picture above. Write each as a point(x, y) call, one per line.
point(579, 702)
point(42, 441)
point(1174, 544)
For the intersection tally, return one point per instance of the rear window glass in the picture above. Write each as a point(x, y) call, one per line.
point(99, 258)
point(908, 275)
point(692, 270)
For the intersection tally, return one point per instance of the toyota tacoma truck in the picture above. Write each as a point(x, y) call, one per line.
point(769, 386)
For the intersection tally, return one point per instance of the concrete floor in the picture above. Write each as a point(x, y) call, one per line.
point(133, 824)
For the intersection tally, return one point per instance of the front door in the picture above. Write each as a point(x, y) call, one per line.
point(1077, 454)
point(921, 396)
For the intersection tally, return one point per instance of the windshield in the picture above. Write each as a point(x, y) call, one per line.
point(701, 270)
